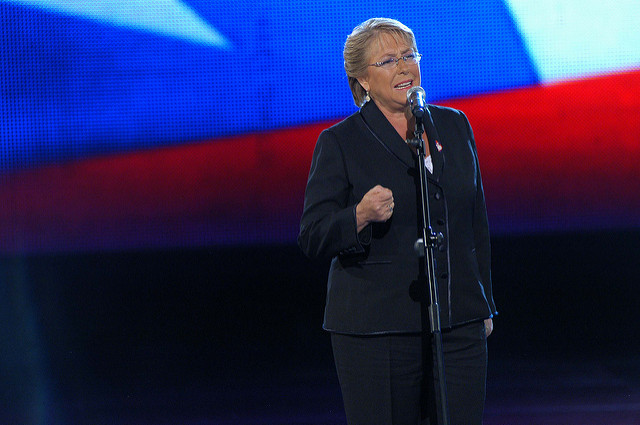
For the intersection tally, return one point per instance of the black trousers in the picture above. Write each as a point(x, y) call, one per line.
point(389, 379)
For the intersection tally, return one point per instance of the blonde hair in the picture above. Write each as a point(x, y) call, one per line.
point(356, 50)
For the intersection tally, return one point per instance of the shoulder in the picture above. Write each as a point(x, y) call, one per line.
point(347, 126)
point(344, 135)
point(337, 140)
point(444, 112)
point(450, 118)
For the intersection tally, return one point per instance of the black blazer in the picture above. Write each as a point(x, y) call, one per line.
point(376, 282)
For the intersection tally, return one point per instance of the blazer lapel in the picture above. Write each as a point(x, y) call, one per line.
point(436, 149)
point(385, 134)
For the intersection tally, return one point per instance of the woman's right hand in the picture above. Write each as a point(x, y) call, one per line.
point(376, 206)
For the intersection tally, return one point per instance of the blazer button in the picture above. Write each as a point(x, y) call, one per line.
point(442, 247)
point(444, 275)
point(437, 196)
point(440, 222)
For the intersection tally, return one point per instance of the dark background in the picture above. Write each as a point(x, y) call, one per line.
point(118, 143)
point(98, 338)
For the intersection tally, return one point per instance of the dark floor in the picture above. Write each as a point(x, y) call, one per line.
point(520, 392)
point(232, 336)
point(546, 391)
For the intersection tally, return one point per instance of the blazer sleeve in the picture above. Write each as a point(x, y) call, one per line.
point(482, 240)
point(328, 223)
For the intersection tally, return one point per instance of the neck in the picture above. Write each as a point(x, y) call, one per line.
point(402, 120)
point(405, 123)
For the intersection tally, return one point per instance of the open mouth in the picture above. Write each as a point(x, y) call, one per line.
point(403, 85)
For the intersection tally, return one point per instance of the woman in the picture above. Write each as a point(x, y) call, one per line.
point(361, 210)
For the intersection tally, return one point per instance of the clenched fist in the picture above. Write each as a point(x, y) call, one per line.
point(376, 206)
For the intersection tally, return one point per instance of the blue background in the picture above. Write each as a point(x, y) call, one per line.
point(74, 87)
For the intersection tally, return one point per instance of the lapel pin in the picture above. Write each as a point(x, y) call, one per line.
point(438, 146)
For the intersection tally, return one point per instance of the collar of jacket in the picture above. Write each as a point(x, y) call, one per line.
point(387, 135)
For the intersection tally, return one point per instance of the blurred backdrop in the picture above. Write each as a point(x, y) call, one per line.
point(154, 155)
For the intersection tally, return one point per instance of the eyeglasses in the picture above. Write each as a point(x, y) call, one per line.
point(410, 59)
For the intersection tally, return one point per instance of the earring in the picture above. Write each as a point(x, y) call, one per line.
point(367, 97)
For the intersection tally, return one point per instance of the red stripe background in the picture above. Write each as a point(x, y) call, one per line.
point(556, 157)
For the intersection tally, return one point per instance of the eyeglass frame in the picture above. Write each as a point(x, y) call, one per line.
point(417, 57)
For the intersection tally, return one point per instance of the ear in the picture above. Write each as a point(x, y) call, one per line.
point(364, 83)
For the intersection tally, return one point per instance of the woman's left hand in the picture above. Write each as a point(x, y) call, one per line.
point(488, 326)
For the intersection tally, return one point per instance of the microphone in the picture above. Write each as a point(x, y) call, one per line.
point(416, 97)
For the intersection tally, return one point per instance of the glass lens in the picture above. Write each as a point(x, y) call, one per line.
point(389, 63)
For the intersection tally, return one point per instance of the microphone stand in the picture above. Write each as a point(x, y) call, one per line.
point(425, 248)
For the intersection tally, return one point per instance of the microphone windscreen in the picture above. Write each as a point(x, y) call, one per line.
point(416, 98)
point(419, 91)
